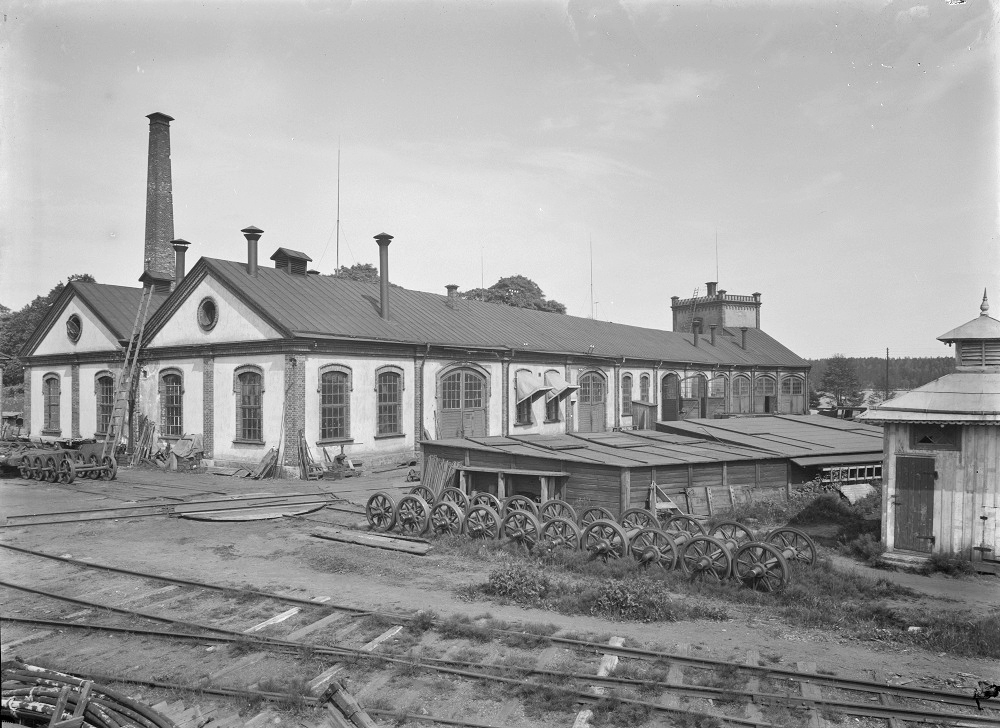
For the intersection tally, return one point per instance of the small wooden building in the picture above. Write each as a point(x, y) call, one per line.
point(942, 454)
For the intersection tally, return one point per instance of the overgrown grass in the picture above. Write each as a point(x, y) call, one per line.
point(950, 564)
point(754, 513)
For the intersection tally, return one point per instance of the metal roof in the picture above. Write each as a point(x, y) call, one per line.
point(961, 397)
point(844, 459)
point(328, 307)
point(785, 435)
point(981, 327)
point(634, 449)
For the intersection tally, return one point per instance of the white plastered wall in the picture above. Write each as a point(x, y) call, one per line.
point(495, 384)
point(273, 366)
point(94, 336)
point(192, 382)
point(538, 424)
point(88, 394)
point(34, 376)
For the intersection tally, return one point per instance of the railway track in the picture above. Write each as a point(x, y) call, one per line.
point(237, 639)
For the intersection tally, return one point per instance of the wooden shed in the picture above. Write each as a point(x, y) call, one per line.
point(616, 470)
point(941, 470)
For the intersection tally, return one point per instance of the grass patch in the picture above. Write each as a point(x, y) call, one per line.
point(294, 692)
point(950, 564)
point(613, 711)
point(461, 627)
point(754, 513)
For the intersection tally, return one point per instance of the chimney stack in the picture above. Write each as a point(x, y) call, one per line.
point(252, 235)
point(180, 248)
point(743, 331)
point(383, 240)
point(452, 294)
point(159, 200)
point(711, 328)
point(711, 285)
point(694, 330)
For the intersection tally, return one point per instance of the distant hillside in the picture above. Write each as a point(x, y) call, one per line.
point(904, 372)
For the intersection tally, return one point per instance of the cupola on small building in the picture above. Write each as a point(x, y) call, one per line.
point(941, 470)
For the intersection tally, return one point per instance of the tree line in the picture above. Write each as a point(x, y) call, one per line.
point(845, 378)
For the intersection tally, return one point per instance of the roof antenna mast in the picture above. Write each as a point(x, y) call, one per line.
point(716, 253)
point(337, 269)
point(591, 276)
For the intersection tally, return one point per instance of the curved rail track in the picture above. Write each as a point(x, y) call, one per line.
point(198, 613)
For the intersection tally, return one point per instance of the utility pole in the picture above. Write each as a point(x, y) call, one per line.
point(591, 277)
point(337, 269)
point(887, 372)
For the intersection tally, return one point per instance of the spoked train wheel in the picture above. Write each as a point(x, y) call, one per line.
point(412, 514)
point(706, 559)
point(454, 495)
point(482, 522)
point(521, 528)
point(423, 492)
point(795, 545)
point(556, 508)
point(485, 499)
point(381, 512)
point(604, 540)
point(652, 546)
point(519, 503)
point(595, 513)
point(446, 518)
point(561, 533)
point(761, 567)
point(732, 533)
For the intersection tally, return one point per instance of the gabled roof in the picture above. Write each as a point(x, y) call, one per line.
point(981, 327)
point(114, 306)
point(328, 307)
point(787, 435)
point(962, 397)
point(289, 253)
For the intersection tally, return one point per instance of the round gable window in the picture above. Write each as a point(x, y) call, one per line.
point(73, 328)
point(208, 314)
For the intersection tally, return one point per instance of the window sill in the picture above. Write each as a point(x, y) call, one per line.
point(52, 433)
point(523, 424)
point(179, 437)
point(390, 436)
point(260, 443)
point(551, 422)
point(336, 441)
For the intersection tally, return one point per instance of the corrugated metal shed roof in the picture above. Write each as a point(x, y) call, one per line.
point(961, 397)
point(785, 435)
point(618, 449)
point(845, 459)
point(324, 306)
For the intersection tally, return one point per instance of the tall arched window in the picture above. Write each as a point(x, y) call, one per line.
point(249, 390)
point(171, 403)
point(644, 387)
point(592, 401)
point(389, 393)
point(462, 397)
point(764, 390)
point(104, 392)
point(627, 395)
point(335, 403)
point(740, 394)
point(50, 404)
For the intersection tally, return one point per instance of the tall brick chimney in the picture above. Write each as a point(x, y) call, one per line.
point(383, 240)
point(158, 259)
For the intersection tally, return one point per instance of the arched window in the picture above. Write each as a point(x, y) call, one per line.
point(791, 385)
point(249, 390)
point(50, 404)
point(792, 397)
point(740, 394)
point(389, 395)
point(171, 403)
point(462, 395)
point(764, 390)
point(592, 403)
point(627, 395)
point(644, 387)
point(104, 393)
point(334, 403)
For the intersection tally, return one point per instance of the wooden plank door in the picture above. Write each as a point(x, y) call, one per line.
point(914, 503)
point(592, 403)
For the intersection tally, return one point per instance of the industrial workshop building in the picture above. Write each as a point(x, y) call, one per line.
point(250, 355)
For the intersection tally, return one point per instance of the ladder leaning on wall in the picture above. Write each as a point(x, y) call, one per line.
point(126, 378)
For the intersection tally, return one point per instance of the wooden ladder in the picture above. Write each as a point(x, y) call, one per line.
point(126, 377)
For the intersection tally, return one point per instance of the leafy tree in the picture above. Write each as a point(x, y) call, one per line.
point(840, 381)
point(364, 272)
point(16, 327)
point(518, 291)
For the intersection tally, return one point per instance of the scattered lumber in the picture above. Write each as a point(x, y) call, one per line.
point(371, 539)
point(439, 474)
point(265, 469)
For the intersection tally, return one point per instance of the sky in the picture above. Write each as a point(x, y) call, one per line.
point(840, 158)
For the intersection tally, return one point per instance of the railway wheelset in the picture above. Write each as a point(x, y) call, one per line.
point(729, 550)
point(64, 465)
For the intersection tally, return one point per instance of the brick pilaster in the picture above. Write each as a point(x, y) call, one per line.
point(208, 406)
point(418, 401)
point(505, 396)
point(26, 415)
point(295, 406)
point(74, 403)
point(618, 395)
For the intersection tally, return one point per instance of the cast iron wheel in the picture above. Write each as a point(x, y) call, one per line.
point(605, 539)
point(595, 513)
point(561, 533)
point(486, 499)
point(794, 545)
point(24, 468)
point(685, 523)
point(447, 518)
point(706, 559)
point(556, 508)
point(37, 468)
point(654, 546)
point(636, 519)
point(423, 492)
point(67, 471)
point(381, 512)
point(412, 514)
point(454, 495)
point(519, 503)
point(51, 469)
point(732, 533)
point(521, 527)
point(761, 567)
point(95, 464)
point(110, 467)
point(482, 522)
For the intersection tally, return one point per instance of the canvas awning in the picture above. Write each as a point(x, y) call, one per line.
point(559, 386)
point(528, 387)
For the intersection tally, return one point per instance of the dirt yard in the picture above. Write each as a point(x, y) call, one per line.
point(280, 555)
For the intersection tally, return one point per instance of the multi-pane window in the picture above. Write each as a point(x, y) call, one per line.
point(764, 386)
point(644, 387)
point(627, 395)
point(335, 410)
point(105, 391)
point(791, 385)
point(552, 410)
point(172, 409)
point(50, 403)
point(741, 387)
point(250, 407)
point(389, 389)
point(717, 387)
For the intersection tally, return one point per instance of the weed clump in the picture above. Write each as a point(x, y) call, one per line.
point(951, 564)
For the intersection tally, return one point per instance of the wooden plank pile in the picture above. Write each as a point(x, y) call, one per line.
point(439, 474)
point(144, 452)
point(266, 467)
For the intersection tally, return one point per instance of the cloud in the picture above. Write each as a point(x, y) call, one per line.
point(633, 109)
point(914, 13)
point(606, 35)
